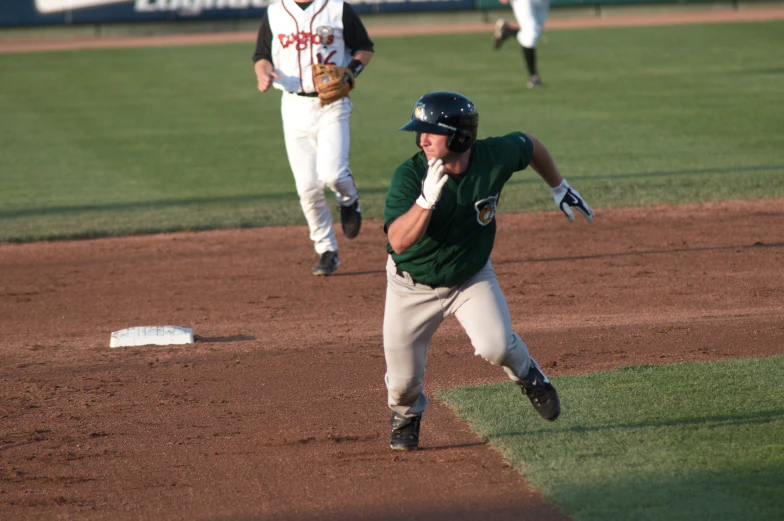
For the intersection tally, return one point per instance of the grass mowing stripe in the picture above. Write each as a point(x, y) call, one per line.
point(685, 441)
point(164, 139)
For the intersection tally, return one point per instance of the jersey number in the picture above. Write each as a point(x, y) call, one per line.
point(326, 60)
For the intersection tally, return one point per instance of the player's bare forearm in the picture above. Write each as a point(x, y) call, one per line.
point(544, 164)
point(364, 57)
point(409, 228)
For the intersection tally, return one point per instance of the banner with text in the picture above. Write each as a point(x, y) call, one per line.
point(58, 12)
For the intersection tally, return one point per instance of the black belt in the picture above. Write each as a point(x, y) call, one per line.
point(401, 273)
point(307, 94)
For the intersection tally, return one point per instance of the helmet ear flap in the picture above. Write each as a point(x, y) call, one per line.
point(466, 132)
point(461, 140)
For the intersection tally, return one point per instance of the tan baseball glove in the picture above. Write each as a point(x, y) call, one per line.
point(332, 82)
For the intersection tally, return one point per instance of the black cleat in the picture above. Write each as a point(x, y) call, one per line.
point(541, 392)
point(405, 432)
point(351, 219)
point(327, 264)
point(534, 81)
point(501, 33)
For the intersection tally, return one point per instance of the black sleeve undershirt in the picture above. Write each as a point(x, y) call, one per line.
point(354, 32)
point(264, 41)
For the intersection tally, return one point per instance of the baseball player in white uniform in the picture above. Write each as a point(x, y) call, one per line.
point(292, 38)
point(530, 15)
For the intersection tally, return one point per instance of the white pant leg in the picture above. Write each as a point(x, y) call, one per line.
point(334, 140)
point(481, 309)
point(530, 15)
point(300, 131)
point(412, 314)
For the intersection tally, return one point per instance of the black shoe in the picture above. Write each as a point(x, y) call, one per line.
point(327, 264)
point(501, 33)
point(405, 432)
point(534, 81)
point(351, 219)
point(541, 392)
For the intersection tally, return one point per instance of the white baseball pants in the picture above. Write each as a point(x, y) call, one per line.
point(530, 15)
point(317, 143)
point(412, 314)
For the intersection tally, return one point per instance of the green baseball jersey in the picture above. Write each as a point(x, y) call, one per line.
point(461, 232)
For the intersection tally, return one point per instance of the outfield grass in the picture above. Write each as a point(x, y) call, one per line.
point(679, 442)
point(106, 142)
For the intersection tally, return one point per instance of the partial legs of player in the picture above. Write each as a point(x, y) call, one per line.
point(299, 132)
point(531, 16)
point(332, 163)
point(317, 143)
point(414, 312)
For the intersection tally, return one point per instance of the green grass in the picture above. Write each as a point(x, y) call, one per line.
point(679, 442)
point(106, 142)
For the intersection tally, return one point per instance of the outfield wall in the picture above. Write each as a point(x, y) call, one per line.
point(31, 13)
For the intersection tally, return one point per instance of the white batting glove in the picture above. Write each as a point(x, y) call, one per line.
point(566, 198)
point(432, 184)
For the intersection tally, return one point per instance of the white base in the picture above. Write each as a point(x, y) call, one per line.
point(151, 335)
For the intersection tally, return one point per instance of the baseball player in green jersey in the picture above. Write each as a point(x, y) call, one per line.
point(440, 223)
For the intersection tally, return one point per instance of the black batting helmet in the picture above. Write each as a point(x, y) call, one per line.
point(447, 113)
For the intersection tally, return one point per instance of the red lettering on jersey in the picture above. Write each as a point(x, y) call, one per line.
point(302, 40)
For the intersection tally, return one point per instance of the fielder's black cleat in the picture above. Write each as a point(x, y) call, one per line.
point(534, 81)
point(327, 264)
point(351, 219)
point(541, 392)
point(405, 432)
point(501, 33)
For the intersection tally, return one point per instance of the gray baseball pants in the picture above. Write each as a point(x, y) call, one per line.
point(412, 314)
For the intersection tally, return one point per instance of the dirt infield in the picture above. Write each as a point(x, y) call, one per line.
point(619, 20)
point(278, 410)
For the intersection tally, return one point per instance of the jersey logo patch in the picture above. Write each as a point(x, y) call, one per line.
point(324, 32)
point(485, 209)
